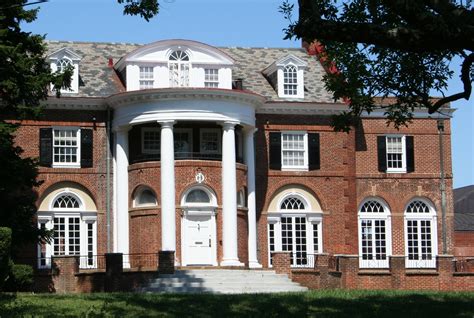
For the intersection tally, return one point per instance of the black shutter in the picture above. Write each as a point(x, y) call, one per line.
point(46, 147)
point(135, 143)
point(275, 151)
point(87, 148)
point(382, 153)
point(410, 153)
point(314, 156)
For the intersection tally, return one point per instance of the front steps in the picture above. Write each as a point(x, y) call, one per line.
point(222, 281)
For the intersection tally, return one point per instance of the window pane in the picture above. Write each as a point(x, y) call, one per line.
point(293, 150)
point(65, 146)
point(198, 196)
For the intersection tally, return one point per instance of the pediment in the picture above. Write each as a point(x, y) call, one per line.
point(159, 52)
point(65, 52)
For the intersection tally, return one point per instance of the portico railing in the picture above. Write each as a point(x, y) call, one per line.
point(180, 156)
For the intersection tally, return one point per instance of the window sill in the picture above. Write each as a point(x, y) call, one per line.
point(374, 271)
point(73, 166)
point(294, 169)
point(396, 171)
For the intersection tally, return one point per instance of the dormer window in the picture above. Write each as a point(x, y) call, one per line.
point(62, 59)
point(146, 77)
point(290, 81)
point(179, 66)
point(287, 76)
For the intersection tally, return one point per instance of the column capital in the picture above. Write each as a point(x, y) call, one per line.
point(250, 130)
point(166, 123)
point(229, 125)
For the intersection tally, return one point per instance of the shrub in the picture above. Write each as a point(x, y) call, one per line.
point(5, 246)
point(21, 278)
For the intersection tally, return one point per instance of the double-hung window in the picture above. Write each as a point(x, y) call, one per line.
point(211, 77)
point(146, 77)
point(294, 150)
point(151, 140)
point(396, 153)
point(374, 235)
point(210, 141)
point(66, 147)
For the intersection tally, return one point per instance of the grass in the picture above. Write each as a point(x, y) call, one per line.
point(325, 303)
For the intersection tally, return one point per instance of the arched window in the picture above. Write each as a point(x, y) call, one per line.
point(62, 64)
point(292, 203)
point(144, 197)
point(66, 201)
point(74, 230)
point(290, 80)
point(374, 234)
point(295, 228)
point(179, 66)
point(198, 196)
point(420, 234)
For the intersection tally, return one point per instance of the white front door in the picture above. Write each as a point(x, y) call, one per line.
point(199, 240)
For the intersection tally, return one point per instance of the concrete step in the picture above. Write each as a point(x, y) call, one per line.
point(222, 281)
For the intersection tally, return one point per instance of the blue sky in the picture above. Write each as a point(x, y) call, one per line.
point(242, 23)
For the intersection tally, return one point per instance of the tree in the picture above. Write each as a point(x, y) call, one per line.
point(388, 48)
point(24, 81)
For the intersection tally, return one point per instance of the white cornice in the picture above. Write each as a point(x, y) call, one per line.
point(301, 108)
point(75, 103)
point(151, 95)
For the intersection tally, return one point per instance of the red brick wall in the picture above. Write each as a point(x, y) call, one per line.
point(464, 243)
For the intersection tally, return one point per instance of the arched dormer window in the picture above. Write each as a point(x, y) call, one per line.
point(63, 64)
point(421, 244)
point(179, 66)
point(374, 234)
point(290, 80)
point(144, 197)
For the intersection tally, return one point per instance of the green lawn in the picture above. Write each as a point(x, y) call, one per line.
point(327, 303)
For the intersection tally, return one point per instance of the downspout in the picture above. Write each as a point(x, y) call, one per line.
point(442, 186)
point(107, 169)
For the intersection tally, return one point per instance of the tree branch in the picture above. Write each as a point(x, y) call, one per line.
point(466, 80)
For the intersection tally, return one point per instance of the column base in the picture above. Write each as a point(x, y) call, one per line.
point(231, 262)
point(255, 265)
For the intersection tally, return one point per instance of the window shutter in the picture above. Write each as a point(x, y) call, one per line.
point(382, 153)
point(86, 148)
point(410, 153)
point(314, 161)
point(135, 151)
point(275, 151)
point(46, 147)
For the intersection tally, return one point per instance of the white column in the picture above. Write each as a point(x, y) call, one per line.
point(229, 197)
point(249, 153)
point(168, 208)
point(121, 190)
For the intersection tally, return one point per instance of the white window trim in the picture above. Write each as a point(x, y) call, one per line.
point(179, 64)
point(385, 216)
point(431, 216)
point(213, 81)
point(76, 164)
point(152, 79)
point(311, 219)
point(403, 169)
point(146, 129)
point(219, 140)
point(138, 193)
point(305, 166)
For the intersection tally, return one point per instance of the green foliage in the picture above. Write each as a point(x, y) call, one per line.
point(5, 247)
point(20, 278)
point(147, 9)
point(398, 51)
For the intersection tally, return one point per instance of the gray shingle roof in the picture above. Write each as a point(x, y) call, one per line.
point(464, 208)
point(99, 80)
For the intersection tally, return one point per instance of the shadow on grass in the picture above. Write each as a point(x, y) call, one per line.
point(319, 303)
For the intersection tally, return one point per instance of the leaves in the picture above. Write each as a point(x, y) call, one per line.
point(397, 51)
point(147, 9)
